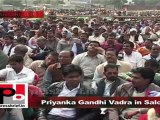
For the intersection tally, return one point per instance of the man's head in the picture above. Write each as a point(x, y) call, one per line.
point(111, 72)
point(72, 74)
point(51, 58)
point(84, 37)
point(155, 50)
point(142, 77)
point(97, 32)
point(65, 57)
point(16, 62)
point(128, 47)
point(111, 38)
point(50, 34)
point(18, 32)
point(22, 40)
point(41, 42)
point(92, 46)
point(8, 39)
point(20, 50)
point(153, 64)
point(148, 43)
point(111, 56)
point(133, 31)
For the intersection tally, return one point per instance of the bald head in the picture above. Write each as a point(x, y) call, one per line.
point(65, 57)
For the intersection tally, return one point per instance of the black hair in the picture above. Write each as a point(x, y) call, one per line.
point(94, 42)
point(71, 69)
point(84, 33)
point(112, 34)
point(146, 73)
point(54, 54)
point(110, 66)
point(152, 63)
point(22, 40)
point(8, 36)
point(17, 30)
point(16, 58)
point(113, 50)
point(130, 43)
point(72, 54)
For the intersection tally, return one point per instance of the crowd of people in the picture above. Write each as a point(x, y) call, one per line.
point(81, 57)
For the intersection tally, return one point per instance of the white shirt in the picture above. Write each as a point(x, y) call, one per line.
point(135, 59)
point(100, 38)
point(6, 49)
point(66, 112)
point(25, 76)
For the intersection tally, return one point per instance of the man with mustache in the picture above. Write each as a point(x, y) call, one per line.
point(107, 85)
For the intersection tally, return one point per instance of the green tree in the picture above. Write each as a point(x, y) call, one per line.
point(16, 3)
point(118, 3)
point(152, 2)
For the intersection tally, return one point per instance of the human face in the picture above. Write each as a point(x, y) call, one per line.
point(92, 47)
point(16, 66)
point(64, 58)
point(127, 49)
point(111, 74)
point(50, 60)
point(111, 57)
point(50, 35)
point(41, 43)
point(83, 38)
point(148, 44)
point(72, 79)
point(155, 51)
point(7, 40)
point(110, 40)
point(138, 81)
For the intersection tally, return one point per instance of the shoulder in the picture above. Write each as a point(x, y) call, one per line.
point(154, 87)
point(125, 86)
point(124, 64)
point(101, 65)
point(55, 85)
point(137, 54)
point(86, 91)
point(25, 69)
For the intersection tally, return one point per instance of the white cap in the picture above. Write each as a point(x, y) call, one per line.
point(132, 29)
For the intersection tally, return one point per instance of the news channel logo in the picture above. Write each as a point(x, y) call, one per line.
point(13, 95)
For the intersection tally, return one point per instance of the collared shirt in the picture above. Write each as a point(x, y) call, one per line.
point(25, 76)
point(87, 63)
point(100, 38)
point(148, 57)
point(123, 67)
point(66, 112)
point(6, 49)
point(135, 59)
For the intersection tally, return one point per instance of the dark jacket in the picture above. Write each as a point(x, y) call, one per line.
point(101, 86)
point(81, 114)
point(80, 48)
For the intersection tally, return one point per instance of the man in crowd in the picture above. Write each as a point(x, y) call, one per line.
point(89, 60)
point(111, 57)
point(141, 83)
point(82, 46)
point(54, 72)
point(155, 53)
point(70, 87)
point(8, 44)
point(18, 73)
point(97, 36)
point(130, 56)
point(40, 66)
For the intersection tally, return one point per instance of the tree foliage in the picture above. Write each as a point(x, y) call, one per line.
point(16, 3)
